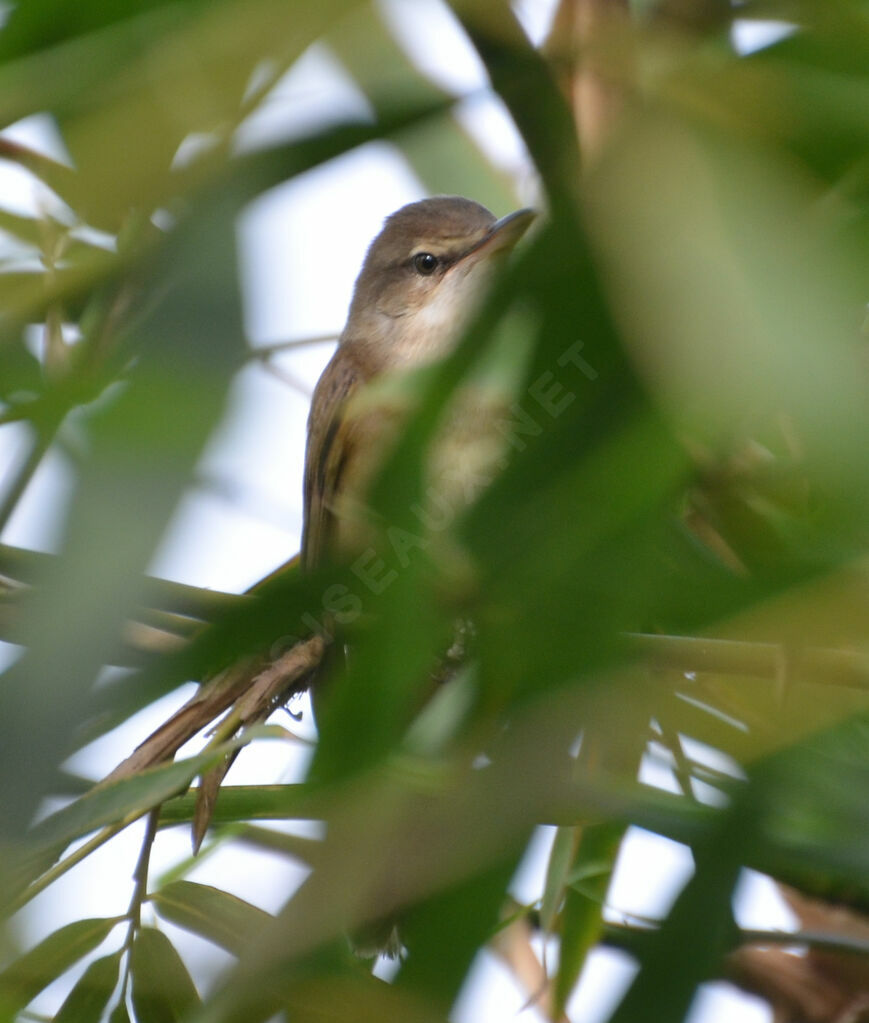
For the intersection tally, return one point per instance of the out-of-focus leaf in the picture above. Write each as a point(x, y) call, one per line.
point(162, 990)
point(21, 981)
point(816, 812)
point(44, 23)
point(120, 1013)
point(58, 176)
point(88, 999)
point(27, 295)
point(202, 55)
point(33, 567)
point(211, 913)
point(756, 321)
point(21, 372)
point(824, 84)
point(386, 677)
point(144, 444)
point(32, 84)
point(699, 928)
point(26, 229)
point(304, 850)
point(444, 933)
point(354, 996)
point(330, 982)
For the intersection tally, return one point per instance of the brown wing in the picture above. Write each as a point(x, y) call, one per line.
point(327, 453)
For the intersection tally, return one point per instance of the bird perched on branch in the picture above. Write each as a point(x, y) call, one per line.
point(421, 279)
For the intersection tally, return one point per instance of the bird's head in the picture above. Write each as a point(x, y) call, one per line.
point(422, 276)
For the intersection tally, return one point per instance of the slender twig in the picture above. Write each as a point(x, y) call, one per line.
point(829, 941)
point(139, 896)
point(267, 351)
point(140, 876)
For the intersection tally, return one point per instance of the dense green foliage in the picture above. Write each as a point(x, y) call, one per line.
point(687, 458)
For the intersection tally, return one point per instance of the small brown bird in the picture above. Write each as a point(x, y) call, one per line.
point(421, 278)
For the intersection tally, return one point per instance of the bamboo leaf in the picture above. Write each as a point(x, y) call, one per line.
point(211, 913)
point(162, 991)
point(582, 913)
point(557, 872)
point(105, 806)
point(443, 934)
point(23, 979)
point(88, 999)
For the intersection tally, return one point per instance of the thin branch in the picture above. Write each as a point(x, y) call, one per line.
point(829, 941)
point(140, 876)
point(140, 894)
point(267, 351)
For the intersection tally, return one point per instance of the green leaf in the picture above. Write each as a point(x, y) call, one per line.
point(700, 928)
point(816, 814)
point(120, 1013)
point(91, 994)
point(557, 871)
point(23, 979)
point(582, 911)
point(104, 806)
point(162, 991)
point(385, 679)
point(211, 913)
point(43, 23)
point(443, 933)
point(26, 229)
point(144, 443)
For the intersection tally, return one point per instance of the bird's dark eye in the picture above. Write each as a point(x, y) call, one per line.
point(425, 263)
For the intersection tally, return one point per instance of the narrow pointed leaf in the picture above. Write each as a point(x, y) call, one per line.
point(88, 999)
point(163, 991)
point(23, 979)
point(211, 913)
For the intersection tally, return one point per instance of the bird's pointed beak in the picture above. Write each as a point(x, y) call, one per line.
point(503, 234)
